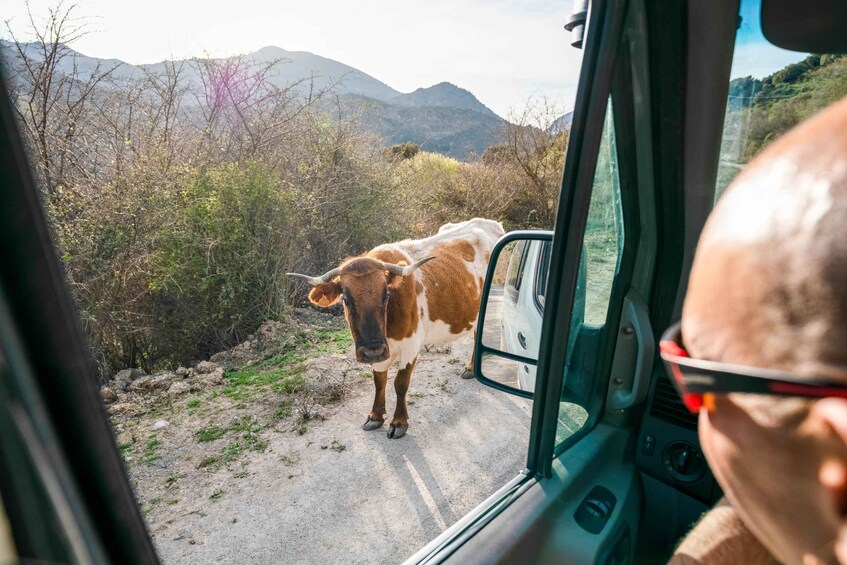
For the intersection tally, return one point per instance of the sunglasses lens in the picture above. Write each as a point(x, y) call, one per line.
point(693, 402)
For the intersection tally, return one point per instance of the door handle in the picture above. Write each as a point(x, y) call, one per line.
point(522, 340)
point(632, 364)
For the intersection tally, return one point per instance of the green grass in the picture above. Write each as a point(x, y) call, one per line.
point(283, 411)
point(150, 449)
point(211, 461)
point(171, 481)
point(211, 433)
point(289, 385)
point(216, 494)
point(232, 451)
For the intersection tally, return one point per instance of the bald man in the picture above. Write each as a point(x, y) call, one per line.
point(768, 289)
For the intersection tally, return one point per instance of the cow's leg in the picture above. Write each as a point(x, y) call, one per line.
point(400, 422)
point(468, 374)
point(377, 416)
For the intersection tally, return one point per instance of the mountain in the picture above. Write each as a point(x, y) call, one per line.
point(562, 123)
point(456, 132)
point(443, 118)
point(443, 95)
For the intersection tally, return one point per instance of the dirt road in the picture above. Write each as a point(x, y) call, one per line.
point(338, 494)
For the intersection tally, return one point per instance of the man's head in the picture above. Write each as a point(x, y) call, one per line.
point(363, 285)
point(768, 289)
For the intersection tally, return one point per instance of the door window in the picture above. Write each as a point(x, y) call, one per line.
point(602, 246)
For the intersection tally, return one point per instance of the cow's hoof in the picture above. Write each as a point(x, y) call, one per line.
point(371, 425)
point(396, 432)
point(467, 374)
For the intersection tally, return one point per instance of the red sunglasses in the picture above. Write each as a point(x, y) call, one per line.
point(695, 377)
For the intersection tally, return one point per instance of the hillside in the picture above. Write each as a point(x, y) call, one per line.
point(443, 95)
point(443, 118)
point(460, 133)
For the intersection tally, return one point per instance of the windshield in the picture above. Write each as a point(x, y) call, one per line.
point(206, 172)
point(771, 90)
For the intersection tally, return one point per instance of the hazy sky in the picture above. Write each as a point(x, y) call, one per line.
point(504, 51)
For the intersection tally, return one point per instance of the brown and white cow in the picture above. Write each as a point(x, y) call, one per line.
point(401, 296)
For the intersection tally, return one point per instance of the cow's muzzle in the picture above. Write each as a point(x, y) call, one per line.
point(373, 353)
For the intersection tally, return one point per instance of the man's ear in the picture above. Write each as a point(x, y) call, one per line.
point(325, 294)
point(833, 473)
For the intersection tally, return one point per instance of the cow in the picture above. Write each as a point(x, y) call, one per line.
point(401, 296)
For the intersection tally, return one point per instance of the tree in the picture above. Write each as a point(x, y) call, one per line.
point(52, 93)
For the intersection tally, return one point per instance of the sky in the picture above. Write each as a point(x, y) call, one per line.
point(503, 51)
point(754, 55)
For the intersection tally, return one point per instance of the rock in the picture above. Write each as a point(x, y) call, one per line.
point(178, 388)
point(160, 425)
point(183, 372)
point(123, 407)
point(204, 367)
point(108, 395)
point(156, 382)
point(215, 377)
point(123, 379)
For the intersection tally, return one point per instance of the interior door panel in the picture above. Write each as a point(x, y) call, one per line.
point(540, 525)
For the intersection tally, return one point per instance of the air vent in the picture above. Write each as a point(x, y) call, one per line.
point(668, 407)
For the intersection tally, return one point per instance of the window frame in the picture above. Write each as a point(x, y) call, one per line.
point(606, 22)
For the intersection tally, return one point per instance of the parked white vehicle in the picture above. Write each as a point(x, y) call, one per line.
point(523, 305)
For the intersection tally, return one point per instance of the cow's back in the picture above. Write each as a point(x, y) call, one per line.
point(452, 283)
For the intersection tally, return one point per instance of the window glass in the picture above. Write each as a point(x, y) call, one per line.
point(514, 273)
point(602, 246)
point(541, 277)
point(770, 91)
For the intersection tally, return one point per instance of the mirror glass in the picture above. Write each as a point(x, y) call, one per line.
point(514, 311)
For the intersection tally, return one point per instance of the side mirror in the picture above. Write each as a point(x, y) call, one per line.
point(511, 310)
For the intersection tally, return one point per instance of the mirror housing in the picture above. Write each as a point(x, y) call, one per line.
point(510, 315)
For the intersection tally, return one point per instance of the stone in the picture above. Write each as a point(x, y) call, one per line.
point(183, 372)
point(204, 367)
point(178, 388)
point(123, 379)
point(155, 382)
point(108, 395)
point(215, 377)
point(160, 425)
point(123, 407)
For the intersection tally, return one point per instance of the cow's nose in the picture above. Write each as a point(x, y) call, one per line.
point(373, 354)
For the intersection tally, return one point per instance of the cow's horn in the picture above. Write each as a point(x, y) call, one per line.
point(315, 281)
point(406, 270)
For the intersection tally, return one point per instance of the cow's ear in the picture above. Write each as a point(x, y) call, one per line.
point(394, 281)
point(325, 294)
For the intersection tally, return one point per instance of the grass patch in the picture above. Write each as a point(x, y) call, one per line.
point(337, 446)
point(211, 433)
point(172, 481)
point(192, 405)
point(173, 501)
point(150, 449)
point(216, 494)
point(210, 461)
point(289, 385)
point(232, 451)
point(283, 411)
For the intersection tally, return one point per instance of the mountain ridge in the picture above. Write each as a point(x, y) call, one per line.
point(444, 117)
